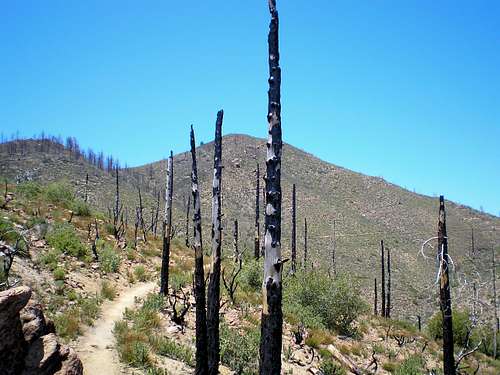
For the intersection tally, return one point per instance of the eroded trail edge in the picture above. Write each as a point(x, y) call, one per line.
point(96, 346)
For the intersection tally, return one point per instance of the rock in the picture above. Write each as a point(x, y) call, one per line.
point(174, 329)
point(43, 356)
point(39, 244)
point(12, 301)
point(71, 364)
point(33, 321)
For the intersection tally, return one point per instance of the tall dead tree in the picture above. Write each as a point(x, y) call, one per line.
point(142, 224)
point(495, 309)
point(167, 225)
point(294, 230)
point(375, 298)
point(213, 301)
point(334, 248)
point(388, 300)
point(257, 214)
point(445, 292)
point(382, 294)
point(305, 244)
point(237, 255)
point(118, 225)
point(199, 277)
point(188, 207)
point(86, 188)
point(272, 314)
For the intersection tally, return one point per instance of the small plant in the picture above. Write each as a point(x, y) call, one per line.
point(59, 193)
point(108, 291)
point(239, 350)
point(461, 324)
point(50, 258)
point(329, 367)
point(80, 208)
point(389, 366)
point(68, 323)
point(59, 274)
point(251, 275)
point(34, 221)
point(29, 189)
point(140, 273)
point(63, 238)
point(109, 258)
point(169, 348)
point(413, 365)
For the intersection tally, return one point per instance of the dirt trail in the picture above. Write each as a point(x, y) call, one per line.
point(96, 346)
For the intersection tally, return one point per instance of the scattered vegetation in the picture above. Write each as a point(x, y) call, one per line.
point(63, 238)
point(329, 367)
point(108, 258)
point(239, 350)
point(108, 291)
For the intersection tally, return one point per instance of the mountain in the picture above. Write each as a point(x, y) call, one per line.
point(365, 210)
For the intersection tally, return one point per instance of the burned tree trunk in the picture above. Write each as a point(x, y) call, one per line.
point(237, 255)
point(86, 188)
point(294, 230)
point(495, 310)
point(305, 244)
point(272, 315)
point(334, 249)
point(375, 298)
point(167, 226)
point(388, 300)
point(188, 207)
point(118, 226)
point(213, 303)
point(445, 293)
point(199, 277)
point(257, 214)
point(141, 217)
point(382, 294)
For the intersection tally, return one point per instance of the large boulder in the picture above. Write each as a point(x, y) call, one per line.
point(28, 343)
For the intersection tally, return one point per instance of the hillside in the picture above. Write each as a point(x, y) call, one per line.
point(365, 209)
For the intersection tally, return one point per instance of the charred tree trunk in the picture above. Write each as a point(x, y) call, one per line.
point(382, 294)
point(294, 229)
point(237, 255)
point(375, 298)
point(257, 214)
point(495, 310)
point(167, 226)
point(94, 243)
point(388, 300)
point(141, 218)
point(86, 188)
point(305, 244)
point(272, 315)
point(136, 226)
point(334, 249)
point(213, 302)
point(419, 320)
point(187, 219)
point(445, 293)
point(199, 276)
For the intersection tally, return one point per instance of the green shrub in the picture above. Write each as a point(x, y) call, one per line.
point(34, 221)
point(89, 309)
point(140, 273)
point(80, 208)
point(108, 258)
point(251, 275)
point(63, 238)
point(108, 291)
point(413, 365)
point(59, 193)
point(29, 189)
point(169, 348)
point(329, 367)
point(9, 234)
point(239, 350)
point(461, 324)
point(178, 280)
point(68, 323)
point(485, 335)
point(319, 301)
point(59, 273)
point(50, 258)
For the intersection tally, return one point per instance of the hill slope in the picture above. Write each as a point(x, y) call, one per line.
point(365, 209)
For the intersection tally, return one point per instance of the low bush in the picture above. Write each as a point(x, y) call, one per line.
point(413, 365)
point(34, 221)
point(59, 193)
point(50, 258)
point(251, 275)
point(169, 348)
point(108, 291)
point(329, 367)
point(68, 323)
point(108, 258)
point(59, 273)
point(321, 302)
point(140, 273)
point(29, 189)
point(80, 208)
point(461, 324)
point(240, 350)
point(63, 238)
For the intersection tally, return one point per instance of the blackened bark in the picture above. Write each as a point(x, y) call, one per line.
point(167, 226)
point(305, 244)
point(445, 293)
point(141, 217)
point(382, 294)
point(213, 303)
point(419, 319)
point(294, 230)
point(86, 188)
point(257, 214)
point(237, 255)
point(199, 277)
point(388, 300)
point(188, 207)
point(272, 315)
point(375, 298)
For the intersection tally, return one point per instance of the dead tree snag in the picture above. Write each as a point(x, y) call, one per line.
point(167, 226)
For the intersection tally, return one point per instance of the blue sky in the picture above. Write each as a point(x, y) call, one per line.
point(407, 90)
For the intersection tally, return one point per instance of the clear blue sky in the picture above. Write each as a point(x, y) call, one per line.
point(407, 90)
